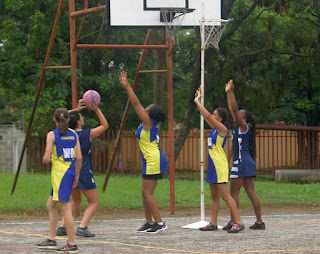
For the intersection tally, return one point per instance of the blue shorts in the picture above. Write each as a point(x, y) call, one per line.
point(86, 182)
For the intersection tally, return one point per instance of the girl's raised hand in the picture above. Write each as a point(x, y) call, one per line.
point(123, 79)
point(80, 105)
point(197, 95)
point(229, 86)
point(92, 107)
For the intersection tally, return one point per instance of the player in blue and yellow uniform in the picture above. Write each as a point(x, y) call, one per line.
point(244, 169)
point(217, 175)
point(154, 161)
point(63, 151)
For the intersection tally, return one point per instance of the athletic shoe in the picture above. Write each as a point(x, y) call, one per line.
point(228, 226)
point(258, 226)
point(236, 228)
point(156, 228)
point(84, 232)
point(209, 227)
point(68, 249)
point(61, 231)
point(47, 244)
point(145, 227)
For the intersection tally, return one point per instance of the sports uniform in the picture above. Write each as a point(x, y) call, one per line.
point(86, 181)
point(154, 161)
point(63, 165)
point(243, 163)
point(218, 171)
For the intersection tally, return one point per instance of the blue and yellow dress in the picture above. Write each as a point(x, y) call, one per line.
point(154, 161)
point(218, 171)
point(63, 165)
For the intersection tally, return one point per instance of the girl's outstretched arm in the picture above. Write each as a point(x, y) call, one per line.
point(233, 106)
point(104, 125)
point(143, 115)
point(213, 123)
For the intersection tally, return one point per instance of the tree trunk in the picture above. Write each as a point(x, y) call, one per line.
point(191, 109)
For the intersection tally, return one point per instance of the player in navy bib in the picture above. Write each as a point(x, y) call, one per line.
point(86, 184)
point(154, 161)
point(243, 169)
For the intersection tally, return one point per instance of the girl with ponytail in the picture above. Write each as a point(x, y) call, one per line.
point(64, 153)
point(244, 168)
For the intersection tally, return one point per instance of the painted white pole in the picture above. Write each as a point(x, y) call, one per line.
point(202, 221)
point(202, 122)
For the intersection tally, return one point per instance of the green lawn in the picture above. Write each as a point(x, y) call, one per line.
point(123, 192)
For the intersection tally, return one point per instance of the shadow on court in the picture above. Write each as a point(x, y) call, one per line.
point(296, 232)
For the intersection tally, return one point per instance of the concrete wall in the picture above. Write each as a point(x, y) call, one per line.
point(11, 143)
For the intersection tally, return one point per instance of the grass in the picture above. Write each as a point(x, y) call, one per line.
point(123, 192)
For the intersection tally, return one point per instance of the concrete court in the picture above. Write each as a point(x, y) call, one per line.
point(286, 233)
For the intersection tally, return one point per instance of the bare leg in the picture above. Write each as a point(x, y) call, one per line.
point(53, 217)
point(75, 204)
point(76, 201)
point(235, 186)
point(68, 220)
point(150, 203)
point(215, 203)
point(248, 185)
point(224, 192)
point(93, 200)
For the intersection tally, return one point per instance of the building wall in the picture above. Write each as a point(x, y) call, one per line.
point(11, 143)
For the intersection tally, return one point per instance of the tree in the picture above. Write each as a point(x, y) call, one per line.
point(265, 54)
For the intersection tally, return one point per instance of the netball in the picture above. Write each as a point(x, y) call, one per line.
point(91, 97)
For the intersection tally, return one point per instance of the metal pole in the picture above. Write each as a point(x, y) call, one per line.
point(73, 55)
point(170, 125)
point(114, 46)
point(202, 123)
point(88, 11)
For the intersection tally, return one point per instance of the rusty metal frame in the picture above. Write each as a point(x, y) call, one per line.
point(73, 66)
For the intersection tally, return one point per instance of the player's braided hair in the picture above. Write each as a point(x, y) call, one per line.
point(252, 122)
point(61, 115)
point(157, 113)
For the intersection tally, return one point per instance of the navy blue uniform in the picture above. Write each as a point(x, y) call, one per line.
point(243, 163)
point(86, 180)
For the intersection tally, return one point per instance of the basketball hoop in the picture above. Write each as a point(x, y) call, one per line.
point(211, 31)
point(172, 18)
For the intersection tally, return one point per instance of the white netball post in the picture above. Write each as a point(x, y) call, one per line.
point(173, 15)
point(211, 31)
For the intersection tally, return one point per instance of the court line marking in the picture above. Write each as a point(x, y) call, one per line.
point(165, 249)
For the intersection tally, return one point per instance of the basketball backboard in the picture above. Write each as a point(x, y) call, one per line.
point(146, 13)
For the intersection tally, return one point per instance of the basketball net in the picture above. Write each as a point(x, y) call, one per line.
point(211, 31)
point(172, 18)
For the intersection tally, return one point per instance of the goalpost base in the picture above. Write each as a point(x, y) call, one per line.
point(198, 225)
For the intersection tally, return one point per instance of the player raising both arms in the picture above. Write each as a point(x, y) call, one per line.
point(217, 175)
point(86, 185)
